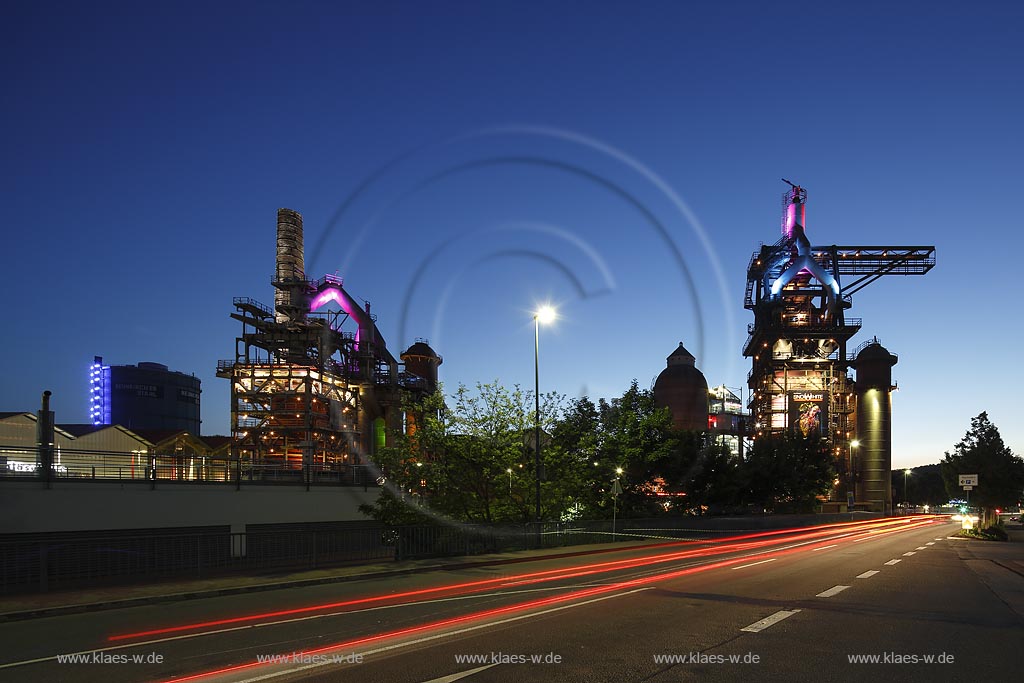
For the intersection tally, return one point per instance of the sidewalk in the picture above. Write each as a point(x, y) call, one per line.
point(1000, 566)
point(35, 605)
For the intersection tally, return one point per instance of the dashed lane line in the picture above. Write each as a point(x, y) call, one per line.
point(769, 620)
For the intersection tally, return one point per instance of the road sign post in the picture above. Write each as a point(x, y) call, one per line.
point(968, 482)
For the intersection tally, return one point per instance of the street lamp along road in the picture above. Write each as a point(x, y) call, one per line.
point(616, 490)
point(545, 314)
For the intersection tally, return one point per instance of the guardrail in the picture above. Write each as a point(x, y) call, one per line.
point(20, 463)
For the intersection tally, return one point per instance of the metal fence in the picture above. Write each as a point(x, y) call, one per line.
point(53, 561)
point(43, 562)
point(19, 463)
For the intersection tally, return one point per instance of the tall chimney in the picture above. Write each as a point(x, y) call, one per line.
point(44, 440)
point(290, 264)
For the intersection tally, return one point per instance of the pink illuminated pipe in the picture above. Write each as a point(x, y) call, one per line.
point(337, 296)
point(794, 230)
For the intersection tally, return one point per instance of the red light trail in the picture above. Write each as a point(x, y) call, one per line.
point(720, 546)
point(884, 527)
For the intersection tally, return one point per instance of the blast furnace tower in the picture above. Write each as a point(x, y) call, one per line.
point(314, 388)
point(800, 295)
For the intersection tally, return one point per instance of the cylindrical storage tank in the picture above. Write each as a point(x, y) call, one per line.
point(150, 396)
point(873, 457)
point(289, 265)
point(422, 361)
point(682, 388)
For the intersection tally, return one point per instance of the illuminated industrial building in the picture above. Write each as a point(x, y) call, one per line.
point(143, 396)
point(314, 387)
point(727, 420)
point(797, 344)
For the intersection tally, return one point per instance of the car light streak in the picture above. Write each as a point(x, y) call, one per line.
point(907, 524)
point(719, 546)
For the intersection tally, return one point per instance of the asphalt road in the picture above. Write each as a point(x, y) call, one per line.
point(793, 606)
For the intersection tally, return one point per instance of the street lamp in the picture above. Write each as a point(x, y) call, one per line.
point(545, 314)
point(509, 470)
point(906, 473)
point(616, 490)
point(851, 491)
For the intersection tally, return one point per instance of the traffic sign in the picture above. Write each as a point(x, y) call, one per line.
point(968, 480)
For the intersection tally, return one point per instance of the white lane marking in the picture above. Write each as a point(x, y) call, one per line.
point(770, 620)
point(834, 590)
point(938, 539)
point(909, 554)
point(186, 636)
point(868, 574)
point(930, 543)
point(921, 547)
point(825, 547)
point(892, 562)
point(446, 634)
point(744, 566)
point(462, 674)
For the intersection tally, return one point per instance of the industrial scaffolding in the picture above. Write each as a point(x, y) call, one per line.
point(799, 377)
point(308, 395)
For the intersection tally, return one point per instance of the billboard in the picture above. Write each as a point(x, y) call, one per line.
point(808, 412)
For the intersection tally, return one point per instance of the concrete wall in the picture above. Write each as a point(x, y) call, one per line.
point(27, 507)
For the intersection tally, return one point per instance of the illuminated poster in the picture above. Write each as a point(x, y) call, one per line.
point(808, 412)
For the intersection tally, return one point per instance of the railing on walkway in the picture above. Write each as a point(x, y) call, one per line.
point(20, 463)
point(42, 562)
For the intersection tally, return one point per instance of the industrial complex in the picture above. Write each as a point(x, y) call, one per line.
point(799, 379)
point(314, 387)
point(315, 392)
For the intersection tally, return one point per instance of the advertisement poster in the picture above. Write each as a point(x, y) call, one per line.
point(808, 412)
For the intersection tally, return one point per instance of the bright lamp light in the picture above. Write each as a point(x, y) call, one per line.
point(545, 314)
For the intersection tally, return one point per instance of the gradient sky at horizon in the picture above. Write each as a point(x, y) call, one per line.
point(458, 163)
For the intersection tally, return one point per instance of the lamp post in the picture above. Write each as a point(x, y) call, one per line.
point(906, 473)
point(509, 470)
point(616, 490)
point(852, 476)
point(544, 314)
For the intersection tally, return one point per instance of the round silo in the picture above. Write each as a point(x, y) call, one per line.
point(422, 361)
point(874, 426)
point(682, 388)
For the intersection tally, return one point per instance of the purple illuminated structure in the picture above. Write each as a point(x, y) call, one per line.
point(313, 388)
point(798, 340)
point(99, 392)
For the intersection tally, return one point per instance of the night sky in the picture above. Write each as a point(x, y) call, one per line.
point(459, 163)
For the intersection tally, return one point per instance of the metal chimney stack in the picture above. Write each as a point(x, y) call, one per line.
point(290, 266)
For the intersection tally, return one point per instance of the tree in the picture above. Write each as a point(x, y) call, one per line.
point(637, 436)
point(982, 452)
point(454, 465)
point(924, 485)
point(786, 472)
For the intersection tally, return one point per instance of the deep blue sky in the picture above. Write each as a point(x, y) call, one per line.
point(516, 152)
